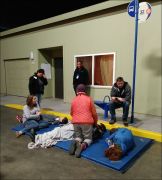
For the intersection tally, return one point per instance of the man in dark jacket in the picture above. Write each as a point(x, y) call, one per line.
point(37, 83)
point(120, 97)
point(80, 75)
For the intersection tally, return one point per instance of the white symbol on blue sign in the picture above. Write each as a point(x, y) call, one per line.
point(144, 10)
point(131, 8)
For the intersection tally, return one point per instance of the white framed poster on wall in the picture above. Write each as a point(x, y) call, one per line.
point(47, 69)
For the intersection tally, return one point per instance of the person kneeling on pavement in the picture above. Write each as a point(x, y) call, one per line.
point(120, 142)
point(84, 117)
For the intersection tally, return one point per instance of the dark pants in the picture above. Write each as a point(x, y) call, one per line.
point(74, 87)
point(44, 122)
point(39, 97)
point(114, 105)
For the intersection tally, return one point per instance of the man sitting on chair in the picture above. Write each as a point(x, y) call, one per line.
point(120, 97)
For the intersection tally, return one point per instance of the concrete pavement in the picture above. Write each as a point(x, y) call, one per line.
point(20, 163)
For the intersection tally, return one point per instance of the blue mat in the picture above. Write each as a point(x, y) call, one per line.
point(95, 152)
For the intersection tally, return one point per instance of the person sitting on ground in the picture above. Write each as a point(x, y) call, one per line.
point(120, 97)
point(84, 117)
point(51, 119)
point(32, 118)
point(120, 142)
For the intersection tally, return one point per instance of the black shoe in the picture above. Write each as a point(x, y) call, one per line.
point(73, 147)
point(125, 122)
point(112, 121)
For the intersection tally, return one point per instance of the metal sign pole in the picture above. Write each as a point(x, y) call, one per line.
point(135, 57)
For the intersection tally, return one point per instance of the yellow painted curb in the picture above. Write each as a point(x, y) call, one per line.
point(15, 106)
point(136, 131)
point(20, 107)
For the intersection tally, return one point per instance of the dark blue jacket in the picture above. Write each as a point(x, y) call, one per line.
point(123, 137)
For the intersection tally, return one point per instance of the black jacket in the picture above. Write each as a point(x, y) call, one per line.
point(36, 84)
point(80, 77)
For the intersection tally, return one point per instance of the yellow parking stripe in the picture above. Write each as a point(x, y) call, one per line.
point(136, 131)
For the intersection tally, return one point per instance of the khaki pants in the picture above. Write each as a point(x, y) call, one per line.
point(83, 133)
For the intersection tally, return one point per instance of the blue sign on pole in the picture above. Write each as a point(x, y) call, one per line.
point(132, 8)
point(141, 12)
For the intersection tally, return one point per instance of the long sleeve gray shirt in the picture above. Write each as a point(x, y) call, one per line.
point(29, 113)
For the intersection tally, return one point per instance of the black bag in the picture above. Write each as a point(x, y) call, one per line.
point(98, 131)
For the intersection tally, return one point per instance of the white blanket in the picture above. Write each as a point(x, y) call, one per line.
point(50, 138)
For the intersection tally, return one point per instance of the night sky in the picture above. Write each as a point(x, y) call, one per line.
point(14, 13)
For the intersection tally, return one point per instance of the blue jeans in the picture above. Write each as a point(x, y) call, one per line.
point(48, 118)
point(39, 97)
point(114, 105)
point(34, 124)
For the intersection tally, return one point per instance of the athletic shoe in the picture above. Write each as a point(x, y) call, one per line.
point(125, 122)
point(112, 121)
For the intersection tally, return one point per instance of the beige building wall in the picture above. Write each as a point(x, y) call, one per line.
point(112, 32)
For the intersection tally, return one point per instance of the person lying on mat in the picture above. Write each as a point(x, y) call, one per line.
point(32, 118)
point(47, 139)
point(61, 133)
point(120, 142)
point(84, 116)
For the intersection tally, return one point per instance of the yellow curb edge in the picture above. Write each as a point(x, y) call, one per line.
point(136, 131)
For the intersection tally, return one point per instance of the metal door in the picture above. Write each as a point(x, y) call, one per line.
point(58, 63)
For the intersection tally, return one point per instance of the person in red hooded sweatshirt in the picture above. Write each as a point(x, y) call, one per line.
point(84, 118)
